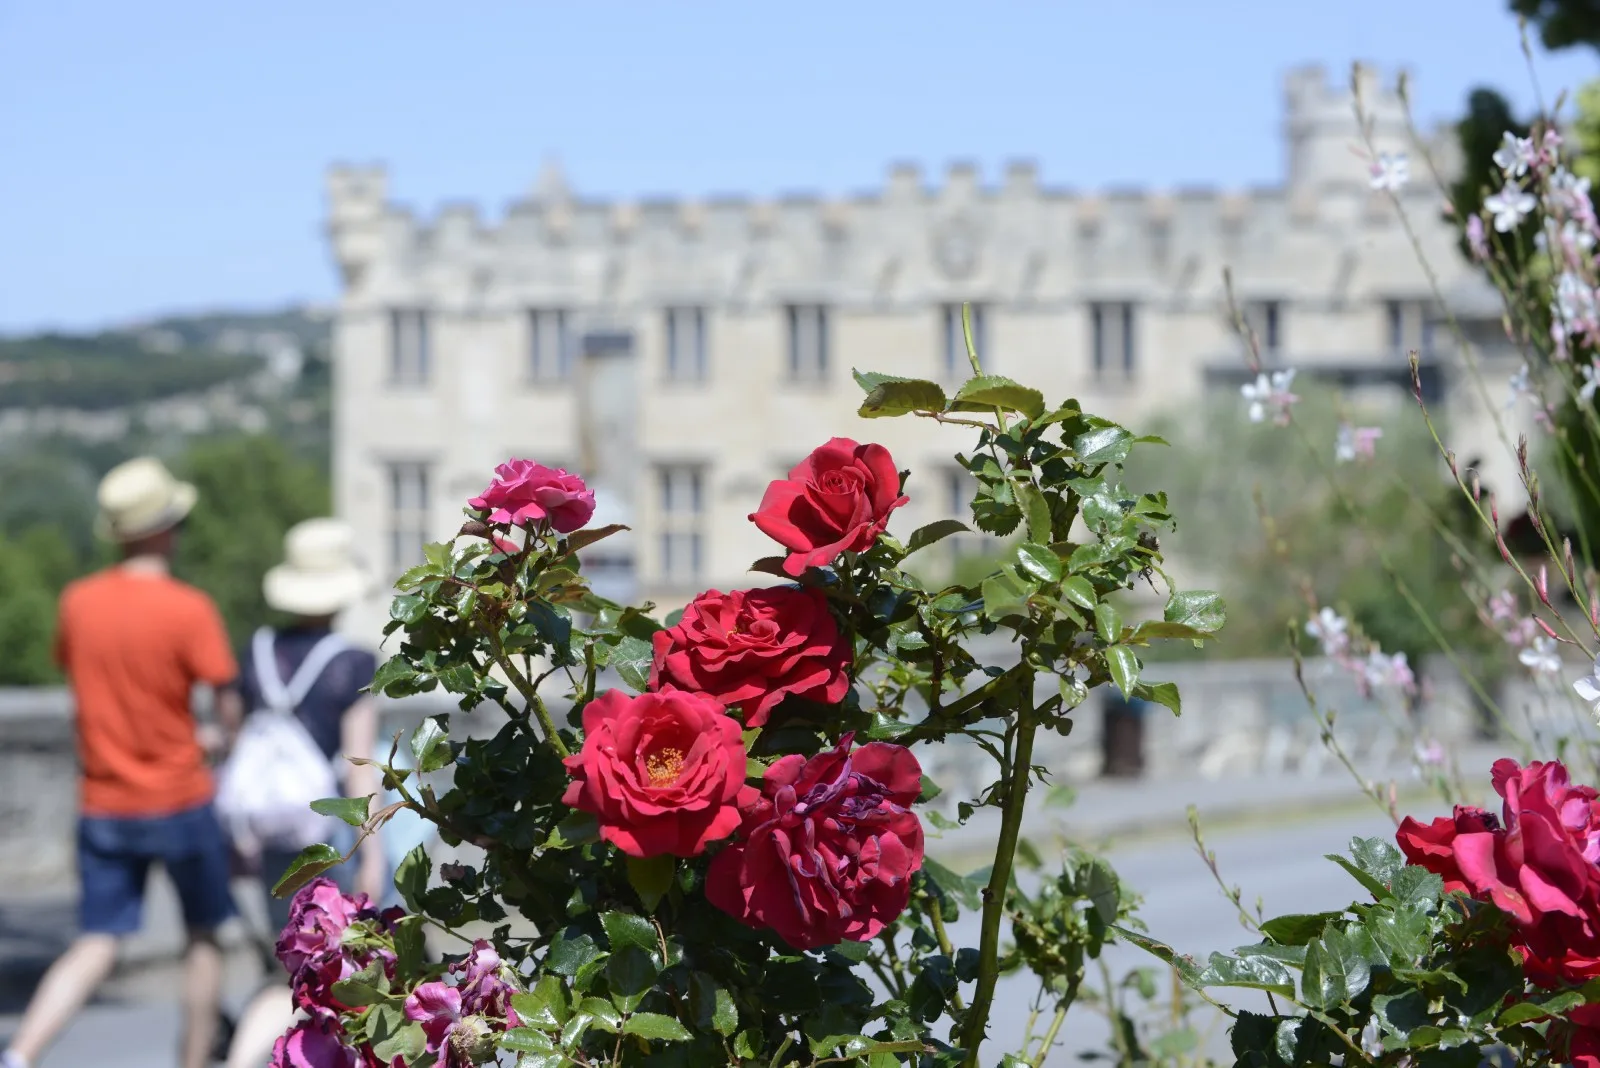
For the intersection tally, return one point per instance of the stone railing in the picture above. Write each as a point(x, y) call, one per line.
point(1240, 718)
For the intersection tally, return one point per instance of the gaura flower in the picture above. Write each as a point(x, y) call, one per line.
point(1542, 657)
point(1509, 207)
point(1390, 173)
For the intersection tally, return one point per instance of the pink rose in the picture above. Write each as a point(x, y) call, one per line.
point(828, 851)
point(308, 1045)
point(753, 648)
point(523, 491)
point(662, 771)
point(836, 500)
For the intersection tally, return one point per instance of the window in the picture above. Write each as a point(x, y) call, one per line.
point(1265, 318)
point(409, 357)
point(549, 345)
point(682, 489)
point(956, 364)
point(1113, 340)
point(808, 343)
point(686, 344)
point(408, 513)
point(1410, 327)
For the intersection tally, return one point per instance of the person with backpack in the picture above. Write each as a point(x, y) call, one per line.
point(134, 642)
point(303, 710)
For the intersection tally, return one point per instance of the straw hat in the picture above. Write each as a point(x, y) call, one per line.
point(140, 498)
point(319, 575)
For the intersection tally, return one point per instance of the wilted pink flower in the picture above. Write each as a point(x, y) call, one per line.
point(523, 491)
point(437, 1007)
point(484, 989)
point(308, 1045)
point(312, 944)
point(1353, 443)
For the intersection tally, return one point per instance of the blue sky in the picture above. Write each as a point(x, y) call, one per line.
point(168, 155)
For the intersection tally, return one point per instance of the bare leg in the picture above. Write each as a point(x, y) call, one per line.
point(202, 997)
point(62, 994)
point(268, 1016)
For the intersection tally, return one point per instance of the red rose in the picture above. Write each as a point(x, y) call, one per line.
point(836, 500)
point(523, 490)
point(828, 850)
point(662, 772)
point(1538, 865)
point(752, 648)
point(1432, 845)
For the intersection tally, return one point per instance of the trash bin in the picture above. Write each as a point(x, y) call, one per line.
point(1122, 736)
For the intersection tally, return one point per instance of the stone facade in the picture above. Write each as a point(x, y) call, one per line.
point(681, 354)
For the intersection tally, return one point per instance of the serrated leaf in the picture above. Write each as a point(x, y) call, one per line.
point(1162, 693)
point(1256, 973)
point(1004, 596)
point(526, 1039)
point(938, 530)
point(987, 392)
point(626, 929)
point(1155, 628)
point(892, 397)
point(1107, 621)
point(581, 539)
point(602, 1012)
point(632, 659)
point(651, 877)
point(1124, 668)
point(1183, 964)
point(959, 887)
point(394, 670)
point(430, 747)
point(1201, 609)
point(568, 955)
point(352, 810)
point(1297, 929)
point(310, 863)
point(1103, 445)
point(1078, 590)
point(1038, 562)
point(1036, 510)
point(654, 1027)
point(408, 608)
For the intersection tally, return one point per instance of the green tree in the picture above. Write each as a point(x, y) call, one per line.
point(1562, 23)
point(32, 570)
point(252, 490)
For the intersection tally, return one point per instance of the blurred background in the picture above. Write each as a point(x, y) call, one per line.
point(343, 259)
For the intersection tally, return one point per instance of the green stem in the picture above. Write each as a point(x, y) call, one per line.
point(526, 689)
point(994, 895)
point(936, 914)
point(1050, 1037)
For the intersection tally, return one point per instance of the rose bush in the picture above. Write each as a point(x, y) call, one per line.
point(701, 839)
point(752, 648)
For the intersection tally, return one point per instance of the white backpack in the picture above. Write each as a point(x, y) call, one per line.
point(276, 769)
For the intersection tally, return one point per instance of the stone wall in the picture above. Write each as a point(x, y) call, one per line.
point(1240, 718)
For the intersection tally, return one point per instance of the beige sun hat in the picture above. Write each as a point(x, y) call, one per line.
point(140, 498)
point(319, 575)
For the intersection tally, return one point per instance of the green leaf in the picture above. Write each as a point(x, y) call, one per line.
point(938, 530)
point(712, 1004)
point(525, 1039)
point(392, 672)
point(408, 608)
point(1256, 973)
point(1298, 929)
point(1036, 510)
point(1556, 1005)
point(410, 945)
point(1039, 562)
point(1400, 1014)
point(1374, 862)
point(430, 747)
point(411, 877)
point(357, 994)
point(581, 539)
point(1153, 628)
point(632, 659)
point(1200, 609)
point(1078, 590)
point(651, 877)
point(654, 1027)
point(569, 954)
point(1162, 693)
point(545, 1006)
point(959, 887)
point(630, 973)
point(394, 1036)
point(1107, 621)
point(1338, 967)
point(1124, 668)
point(987, 392)
point(1105, 445)
point(1403, 934)
point(312, 862)
point(1183, 964)
point(352, 810)
point(607, 1015)
point(901, 396)
point(1004, 596)
point(1412, 884)
point(578, 828)
point(626, 929)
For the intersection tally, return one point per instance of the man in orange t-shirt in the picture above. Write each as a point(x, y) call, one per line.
point(134, 642)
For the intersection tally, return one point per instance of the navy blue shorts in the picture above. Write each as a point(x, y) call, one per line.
point(114, 858)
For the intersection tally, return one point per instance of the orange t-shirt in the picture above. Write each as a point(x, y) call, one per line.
point(133, 646)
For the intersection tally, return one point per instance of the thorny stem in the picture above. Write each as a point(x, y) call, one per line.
point(526, 689)
point(1018, 772)
point(1232, 893)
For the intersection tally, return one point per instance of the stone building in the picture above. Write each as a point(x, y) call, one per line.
point(681, 354)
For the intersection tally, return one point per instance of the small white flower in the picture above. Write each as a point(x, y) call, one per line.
point(1270, 394)
point(1329, 628)
point(1542, 657)
point(1568, 190)
point(1588, 688)
point(1590, 382)
point(1515, 155)
point(1257, 393)
point(1575, 299)
point(1393, 671)
point(1519, 386)
point(1430, 754)
point(1390, 173)
point(1510, 206)
point(1372, 1039)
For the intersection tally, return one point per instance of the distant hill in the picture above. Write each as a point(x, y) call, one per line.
point(154, 360)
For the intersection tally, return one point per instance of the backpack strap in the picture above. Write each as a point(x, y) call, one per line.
point(278, 695)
